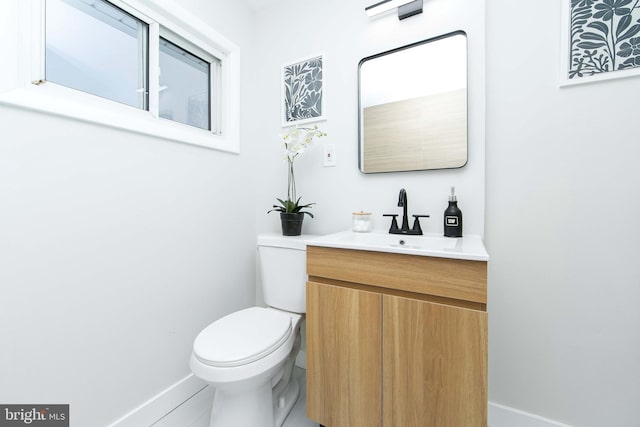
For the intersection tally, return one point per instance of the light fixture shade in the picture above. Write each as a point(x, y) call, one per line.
point(410, 9)
point(384, 6)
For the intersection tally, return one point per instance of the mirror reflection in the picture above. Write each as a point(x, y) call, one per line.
point(413, 106)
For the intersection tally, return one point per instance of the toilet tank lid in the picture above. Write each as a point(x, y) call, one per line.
point(287, 242)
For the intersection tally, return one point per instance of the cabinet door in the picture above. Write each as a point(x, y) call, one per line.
point(344, 373)
point(434, 364)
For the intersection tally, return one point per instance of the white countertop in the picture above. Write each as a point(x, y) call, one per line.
point(469, 247)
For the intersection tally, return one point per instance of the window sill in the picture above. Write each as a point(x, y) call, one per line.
point(51, 99)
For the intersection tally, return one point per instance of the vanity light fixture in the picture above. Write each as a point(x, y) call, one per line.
point(406, 8)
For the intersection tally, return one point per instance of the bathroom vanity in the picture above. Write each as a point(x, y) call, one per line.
point(396, 331)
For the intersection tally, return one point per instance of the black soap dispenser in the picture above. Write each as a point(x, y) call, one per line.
point(453, 217)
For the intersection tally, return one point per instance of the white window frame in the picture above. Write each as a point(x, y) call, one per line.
point(24, 86)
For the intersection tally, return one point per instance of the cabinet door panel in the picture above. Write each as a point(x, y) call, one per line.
point(434, 364)
point(344, 375)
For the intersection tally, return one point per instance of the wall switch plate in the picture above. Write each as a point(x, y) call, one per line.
point(329, 155)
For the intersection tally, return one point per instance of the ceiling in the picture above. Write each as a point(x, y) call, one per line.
point(259, 4)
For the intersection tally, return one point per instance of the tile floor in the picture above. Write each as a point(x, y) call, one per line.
point(196, 411)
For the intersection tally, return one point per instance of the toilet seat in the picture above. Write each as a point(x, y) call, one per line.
point(242, 337)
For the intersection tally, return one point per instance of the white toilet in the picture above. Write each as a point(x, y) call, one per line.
point(248, 356)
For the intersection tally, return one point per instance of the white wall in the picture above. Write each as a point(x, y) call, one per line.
point(561, 227)
point(291, 30)
point(115, 251)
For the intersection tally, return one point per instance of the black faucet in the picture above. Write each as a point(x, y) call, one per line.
point(402, 203)
point(404, 229)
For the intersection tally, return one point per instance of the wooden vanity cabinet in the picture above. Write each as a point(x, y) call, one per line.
point(395, 340)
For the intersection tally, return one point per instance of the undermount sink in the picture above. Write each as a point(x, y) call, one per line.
point(415, 242)
point(468, 247)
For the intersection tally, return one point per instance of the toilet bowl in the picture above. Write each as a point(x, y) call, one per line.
point(248, 356)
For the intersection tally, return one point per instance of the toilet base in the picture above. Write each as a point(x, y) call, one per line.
point(283, 405)
point(247, 408)
point(232, 409)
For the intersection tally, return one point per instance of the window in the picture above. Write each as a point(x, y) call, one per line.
point(97, 48)
point(185, 86)
point(131, 64)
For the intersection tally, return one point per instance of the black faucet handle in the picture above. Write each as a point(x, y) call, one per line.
point(394, 223)
point(416, 223)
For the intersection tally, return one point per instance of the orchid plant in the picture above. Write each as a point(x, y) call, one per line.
point(296, 141)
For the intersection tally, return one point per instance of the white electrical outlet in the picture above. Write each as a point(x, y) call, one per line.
point(329, 155)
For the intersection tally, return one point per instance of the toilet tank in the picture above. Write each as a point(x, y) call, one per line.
point(282, 261)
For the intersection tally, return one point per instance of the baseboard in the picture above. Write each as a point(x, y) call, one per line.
point(504, 416)
point(166, 401)
point(160, 405)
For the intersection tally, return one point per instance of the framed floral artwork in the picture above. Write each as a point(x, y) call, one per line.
point(303, 91)
point(600, 39)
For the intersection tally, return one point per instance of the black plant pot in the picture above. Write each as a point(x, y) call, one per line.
point(291, 223)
